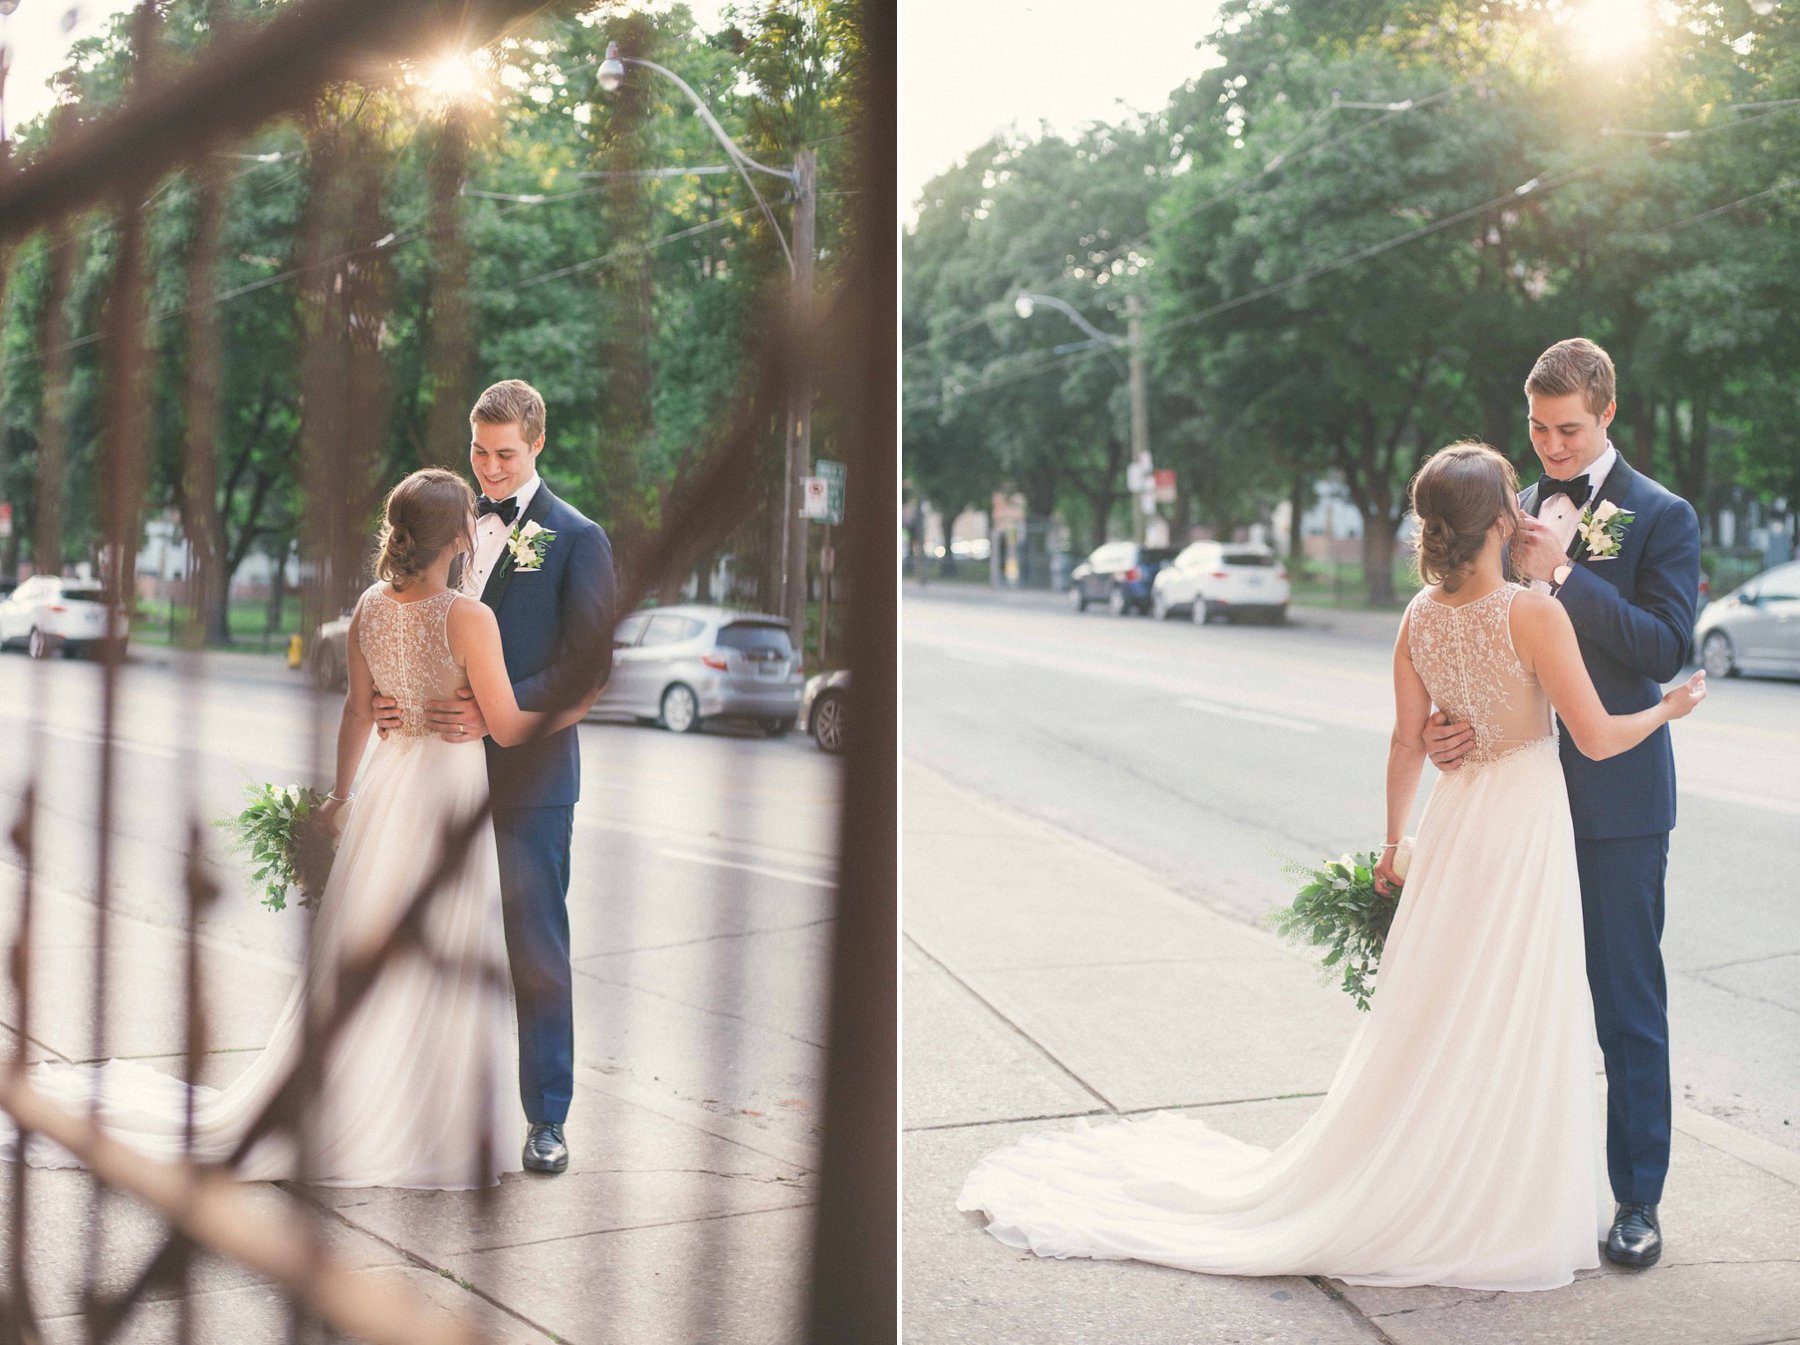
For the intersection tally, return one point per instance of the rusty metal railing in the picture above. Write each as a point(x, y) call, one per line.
point(174, 120)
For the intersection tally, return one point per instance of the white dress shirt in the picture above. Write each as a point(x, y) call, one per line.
point(1561, 514)
point(491, 533)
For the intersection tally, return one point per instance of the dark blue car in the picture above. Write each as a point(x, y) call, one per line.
point(1118, 574)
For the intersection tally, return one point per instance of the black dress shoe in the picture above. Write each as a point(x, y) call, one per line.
point(544, 1148)
point(1636, 1237)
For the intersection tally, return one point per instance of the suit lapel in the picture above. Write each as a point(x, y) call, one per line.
point(1618, 482)
point(501, 579)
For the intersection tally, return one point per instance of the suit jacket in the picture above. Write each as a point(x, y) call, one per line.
point(556, 632)
point(1634, 618)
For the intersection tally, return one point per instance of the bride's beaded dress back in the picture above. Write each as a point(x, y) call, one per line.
point(409, 652)
point(1465, 657)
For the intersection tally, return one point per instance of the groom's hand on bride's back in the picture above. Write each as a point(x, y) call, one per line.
point(385, 711)
point(457, 720)
point(1447, 740)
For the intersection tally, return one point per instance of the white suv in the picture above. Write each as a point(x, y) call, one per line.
point(51, 612)
point(1227, 579)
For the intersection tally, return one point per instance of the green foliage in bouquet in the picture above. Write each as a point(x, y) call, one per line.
point(1338, 907)
point(279, 833)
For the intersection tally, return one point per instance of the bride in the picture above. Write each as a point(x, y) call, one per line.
point(415, 1089)
point(1459, 1142)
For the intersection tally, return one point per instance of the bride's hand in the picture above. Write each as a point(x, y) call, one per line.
point(1387, 882)
point(1682, 700)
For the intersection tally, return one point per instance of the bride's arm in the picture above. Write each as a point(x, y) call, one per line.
point(474, 637)
point(1545, 640)
point(357, 720)
point(1406, 753)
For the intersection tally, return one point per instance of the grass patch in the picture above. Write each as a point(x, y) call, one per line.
point(158, 624)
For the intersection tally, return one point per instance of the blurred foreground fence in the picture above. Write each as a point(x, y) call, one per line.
point(173, 121)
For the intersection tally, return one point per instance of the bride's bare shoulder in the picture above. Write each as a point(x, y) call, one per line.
point(1536, 614)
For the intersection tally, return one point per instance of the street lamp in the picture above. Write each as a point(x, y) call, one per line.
point(799, 256)
point(1025, 304)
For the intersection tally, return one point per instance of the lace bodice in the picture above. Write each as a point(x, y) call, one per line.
point(408, 652)
point(1465, 657)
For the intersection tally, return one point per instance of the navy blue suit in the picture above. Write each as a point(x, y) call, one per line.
point(556, 632)
point(1633, 616)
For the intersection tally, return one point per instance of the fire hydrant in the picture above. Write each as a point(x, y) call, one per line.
point(294, 650)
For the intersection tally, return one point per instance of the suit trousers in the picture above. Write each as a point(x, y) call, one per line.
point(1622, 910)
point(533, 845)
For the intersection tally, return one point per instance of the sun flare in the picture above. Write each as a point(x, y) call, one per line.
point(1611, 29)
point(454, 77)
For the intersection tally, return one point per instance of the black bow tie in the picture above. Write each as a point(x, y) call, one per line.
point(1579, 491)
point(508, 509)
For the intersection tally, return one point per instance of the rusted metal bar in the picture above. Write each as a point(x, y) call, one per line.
point(855, 1251)
point(217, 1211)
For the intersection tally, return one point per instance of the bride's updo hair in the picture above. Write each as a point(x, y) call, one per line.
point(1458, 495)
point(428, 511)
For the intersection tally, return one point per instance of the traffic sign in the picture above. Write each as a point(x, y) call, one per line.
point(817, 500)
point(1165, 485)
point(834, 473)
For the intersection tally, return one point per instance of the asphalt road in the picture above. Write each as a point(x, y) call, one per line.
point(703, 864)
point(1214, 755)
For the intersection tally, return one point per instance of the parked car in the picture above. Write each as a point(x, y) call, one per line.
point(1221, 579)
point(822, 709)
point(1118, 574)
point(51, 612)
point(1755, 628)
point(686, 665)
point(329, 663)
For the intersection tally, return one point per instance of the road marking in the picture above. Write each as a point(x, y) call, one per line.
point(94, 740)
point(785, 875)
point(1251, 716)
point(980, 660)
point(1742, 800)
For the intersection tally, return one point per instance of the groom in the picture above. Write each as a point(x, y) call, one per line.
point(1633, 613)
point(555, 615)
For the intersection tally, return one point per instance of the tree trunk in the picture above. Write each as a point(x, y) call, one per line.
point(1379, 531)
point(1298, 491)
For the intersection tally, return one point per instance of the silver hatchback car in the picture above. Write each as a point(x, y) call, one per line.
point(682, 666)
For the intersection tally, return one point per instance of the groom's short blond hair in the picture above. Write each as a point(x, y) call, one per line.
point(1575, 365)
point(512, 401)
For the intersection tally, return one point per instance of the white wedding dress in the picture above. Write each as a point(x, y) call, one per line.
point(1459, 1142)
point(416, 1091)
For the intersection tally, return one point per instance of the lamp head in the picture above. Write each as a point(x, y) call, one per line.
point(612, 69)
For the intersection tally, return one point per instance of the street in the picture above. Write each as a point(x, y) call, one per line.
point(1214, 755)
point(702, 888)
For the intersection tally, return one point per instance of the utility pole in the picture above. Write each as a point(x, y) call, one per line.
point(1140, 408)
point(799, 428)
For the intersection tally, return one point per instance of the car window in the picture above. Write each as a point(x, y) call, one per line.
point(85, 592)
point(756, 637)
point(626, 633)
point(1781, 585)
point(1256, 558)
point(669, 629)
point(1156, 555)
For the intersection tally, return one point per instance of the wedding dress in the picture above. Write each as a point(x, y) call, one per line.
point(1459, 1142)
point(416, 1090)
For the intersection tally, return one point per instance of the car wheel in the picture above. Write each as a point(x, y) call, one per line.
point(777, 728)
point(1278, 615)
point(828, 722)
point(1077, 603)
point(1204, 611)
point(680, 709)
point(326, 674)
point(37, 644)
point(1716, 655)
point(1116, 604)
point(1159, 607)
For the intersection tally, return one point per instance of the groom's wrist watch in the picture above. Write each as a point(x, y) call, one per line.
point(1560, 575)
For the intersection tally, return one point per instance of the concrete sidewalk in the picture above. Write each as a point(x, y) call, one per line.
point(1045, 979)
point(685, 1215)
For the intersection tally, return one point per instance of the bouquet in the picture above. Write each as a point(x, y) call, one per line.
point(1338, 905)
point(281, 832)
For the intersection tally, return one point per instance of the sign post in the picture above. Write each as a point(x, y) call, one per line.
point(831, 479)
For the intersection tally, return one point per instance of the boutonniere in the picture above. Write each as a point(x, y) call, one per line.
point(528, 542)
point(1603, 529)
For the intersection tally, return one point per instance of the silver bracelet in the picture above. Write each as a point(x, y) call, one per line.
point(350, 798)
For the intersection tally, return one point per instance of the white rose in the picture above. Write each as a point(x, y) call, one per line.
point(1403, 854)
point(1606, 510)
point(529, 531)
